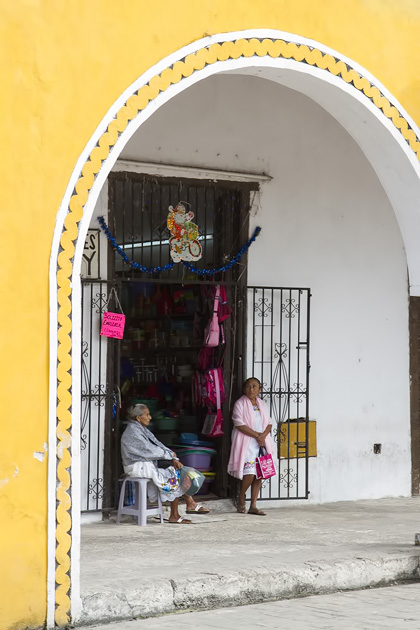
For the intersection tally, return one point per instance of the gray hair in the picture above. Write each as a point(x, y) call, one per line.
point(136, 410)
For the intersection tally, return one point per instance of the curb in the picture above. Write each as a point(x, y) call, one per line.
point(247, 587)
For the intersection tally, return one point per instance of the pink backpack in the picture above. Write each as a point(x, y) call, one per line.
point(205, 358)
point(212, 388)
point(212, 332)
point(213, 423)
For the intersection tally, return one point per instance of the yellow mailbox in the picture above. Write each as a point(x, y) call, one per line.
point(292, 439)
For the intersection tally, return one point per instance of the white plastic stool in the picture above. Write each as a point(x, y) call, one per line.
point(139, 510)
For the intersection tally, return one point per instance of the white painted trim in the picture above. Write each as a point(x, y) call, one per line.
point(52, 444)
point(172, 91)
point(415, 290)
point(169, 170)
point(76, 602)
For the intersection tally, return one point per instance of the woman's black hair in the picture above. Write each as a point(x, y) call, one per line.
point(252, 378)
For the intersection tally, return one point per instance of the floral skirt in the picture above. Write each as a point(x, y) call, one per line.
point(250, 468)
point(165, 480)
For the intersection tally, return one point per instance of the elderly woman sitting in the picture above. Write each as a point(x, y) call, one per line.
point(141, 452)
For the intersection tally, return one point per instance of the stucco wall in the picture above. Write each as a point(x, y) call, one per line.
point(327, 224)
point(66, 64)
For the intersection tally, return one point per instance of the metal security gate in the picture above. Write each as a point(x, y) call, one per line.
point(277, 345)
point(96, 395)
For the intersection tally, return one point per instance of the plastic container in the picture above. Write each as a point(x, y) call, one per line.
point(209, 478)
point(191, 439)
point(196, 460)
point(196, 450)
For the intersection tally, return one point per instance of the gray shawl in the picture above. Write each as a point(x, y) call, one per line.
point(138, 444)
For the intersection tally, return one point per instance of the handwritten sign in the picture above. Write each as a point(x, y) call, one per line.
point(113, 325)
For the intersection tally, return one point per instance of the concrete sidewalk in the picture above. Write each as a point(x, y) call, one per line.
point(390, 608)
point(229, 559)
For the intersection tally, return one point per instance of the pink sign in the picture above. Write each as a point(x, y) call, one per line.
point(113, 325)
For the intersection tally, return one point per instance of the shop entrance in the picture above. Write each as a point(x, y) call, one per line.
point(166, 316)
point(265, 333)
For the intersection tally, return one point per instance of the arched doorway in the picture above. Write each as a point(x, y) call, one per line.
point(382, 130)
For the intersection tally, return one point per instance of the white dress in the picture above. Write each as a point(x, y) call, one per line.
point(253, 448)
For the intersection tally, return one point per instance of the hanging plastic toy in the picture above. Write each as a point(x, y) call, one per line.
point(184, 234)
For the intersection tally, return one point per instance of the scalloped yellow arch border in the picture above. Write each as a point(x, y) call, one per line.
point(136, 103)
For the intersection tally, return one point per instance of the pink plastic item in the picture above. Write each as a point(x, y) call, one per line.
point(213, 424)
point(212, 332)
point(265, 466)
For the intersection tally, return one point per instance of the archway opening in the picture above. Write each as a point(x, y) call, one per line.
point(380, 142)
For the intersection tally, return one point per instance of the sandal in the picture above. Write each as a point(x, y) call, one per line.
point(181, 521)
point(256, 511)
point(240, 508)
point(199, 509)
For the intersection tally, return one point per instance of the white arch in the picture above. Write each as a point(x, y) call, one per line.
point(394, 161)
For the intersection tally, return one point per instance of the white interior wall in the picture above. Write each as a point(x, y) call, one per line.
point(327, 224)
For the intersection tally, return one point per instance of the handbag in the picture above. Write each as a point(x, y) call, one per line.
point(212, 332)
point(264, 465)
point(213, 423)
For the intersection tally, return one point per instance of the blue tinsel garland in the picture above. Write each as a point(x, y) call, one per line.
point(188, 265)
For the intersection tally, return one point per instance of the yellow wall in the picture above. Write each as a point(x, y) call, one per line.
point(66, 64)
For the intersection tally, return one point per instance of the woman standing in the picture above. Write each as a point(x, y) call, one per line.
point(252, 430)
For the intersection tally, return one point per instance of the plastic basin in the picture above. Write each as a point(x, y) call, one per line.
point(196, 461)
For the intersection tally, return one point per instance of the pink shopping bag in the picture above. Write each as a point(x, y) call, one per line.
point(264, 465)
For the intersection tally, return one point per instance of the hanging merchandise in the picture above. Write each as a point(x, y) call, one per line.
point(212, 332)
point(213, 423)
point(224, 309)
point(205, 359)
point(184, 234)
point(113, 323)
point(212, 387)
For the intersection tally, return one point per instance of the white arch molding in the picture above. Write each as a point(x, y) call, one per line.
point(387, 149)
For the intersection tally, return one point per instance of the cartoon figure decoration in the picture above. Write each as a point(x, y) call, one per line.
point(184, 234)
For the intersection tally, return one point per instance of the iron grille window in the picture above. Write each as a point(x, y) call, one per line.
point(139, 206)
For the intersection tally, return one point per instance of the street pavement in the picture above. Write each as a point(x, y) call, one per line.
point(393, 608)
point(230, 559)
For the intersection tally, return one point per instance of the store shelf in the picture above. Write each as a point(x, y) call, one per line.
point(153, 351)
